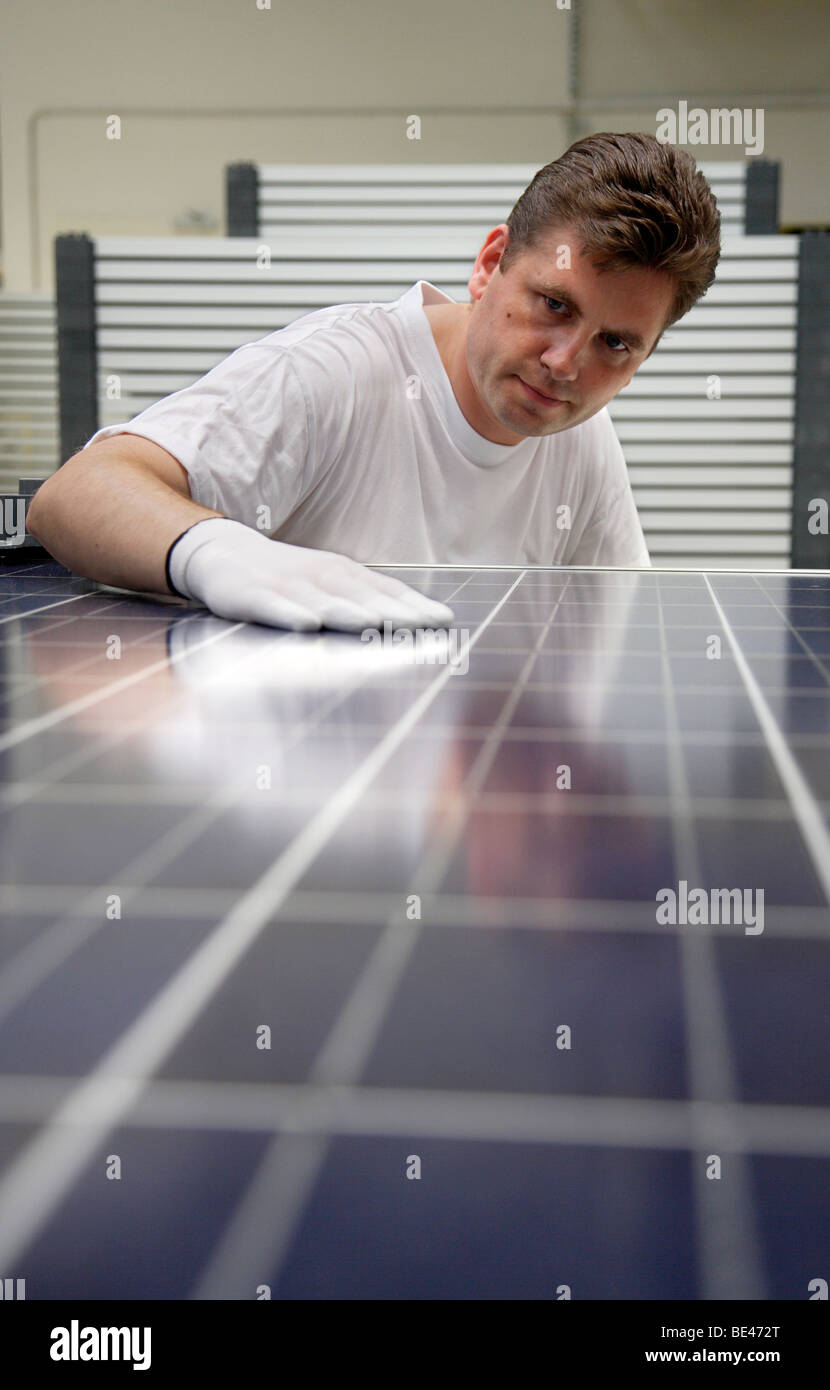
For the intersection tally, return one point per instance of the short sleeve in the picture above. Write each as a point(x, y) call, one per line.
point(241, 432)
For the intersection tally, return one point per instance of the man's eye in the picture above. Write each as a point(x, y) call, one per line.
point(616, 344)
point(554, 304)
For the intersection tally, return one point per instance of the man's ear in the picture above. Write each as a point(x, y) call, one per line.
point(504, 247)
point(488, 260)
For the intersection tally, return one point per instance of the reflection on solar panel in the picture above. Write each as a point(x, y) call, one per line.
point(337, 968)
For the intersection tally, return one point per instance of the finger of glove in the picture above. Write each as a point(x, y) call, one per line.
point(388, 610)
point(342, 575)
point(426, 612)
point(401, 604)
point(286, 600)
point(261, 605)
point(427, 609)
point(336, 609)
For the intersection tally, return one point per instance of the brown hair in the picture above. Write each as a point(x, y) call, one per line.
point(634, 202)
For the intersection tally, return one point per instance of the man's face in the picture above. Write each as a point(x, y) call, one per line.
point(575, 334)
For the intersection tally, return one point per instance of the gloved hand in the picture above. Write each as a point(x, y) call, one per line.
point(239, 573)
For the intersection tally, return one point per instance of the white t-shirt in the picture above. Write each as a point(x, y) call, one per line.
point(341, 432)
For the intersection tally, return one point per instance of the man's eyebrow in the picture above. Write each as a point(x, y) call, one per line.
point(628, 335)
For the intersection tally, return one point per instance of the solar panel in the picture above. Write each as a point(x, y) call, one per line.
point(400, 968)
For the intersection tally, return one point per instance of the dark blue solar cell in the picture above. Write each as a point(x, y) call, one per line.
point(495, 1221)
point(792, 1199)
point(556, 1011)
point(148, 1233)
point(408, 915)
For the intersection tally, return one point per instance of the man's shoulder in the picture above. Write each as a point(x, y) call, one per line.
point(333, 348)
point(334, 322)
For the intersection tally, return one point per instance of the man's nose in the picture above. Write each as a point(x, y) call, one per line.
point(563, 357)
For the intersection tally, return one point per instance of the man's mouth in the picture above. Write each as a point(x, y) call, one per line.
point(541, 396)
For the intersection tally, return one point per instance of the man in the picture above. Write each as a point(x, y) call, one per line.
point(419, 431)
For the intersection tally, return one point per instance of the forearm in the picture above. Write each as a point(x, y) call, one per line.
point(113, 511)
point(112, 520)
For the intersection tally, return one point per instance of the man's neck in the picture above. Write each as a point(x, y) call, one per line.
point(449, 329)
point(449, 326)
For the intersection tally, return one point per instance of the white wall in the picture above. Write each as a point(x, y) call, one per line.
point(199, 83)
point(641, 55)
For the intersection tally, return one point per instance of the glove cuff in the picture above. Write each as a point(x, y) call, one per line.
point(184, 547)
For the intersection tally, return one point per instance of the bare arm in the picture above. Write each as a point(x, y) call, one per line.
point(113, 510)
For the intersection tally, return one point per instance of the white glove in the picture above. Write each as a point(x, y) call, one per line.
point(239, 573)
